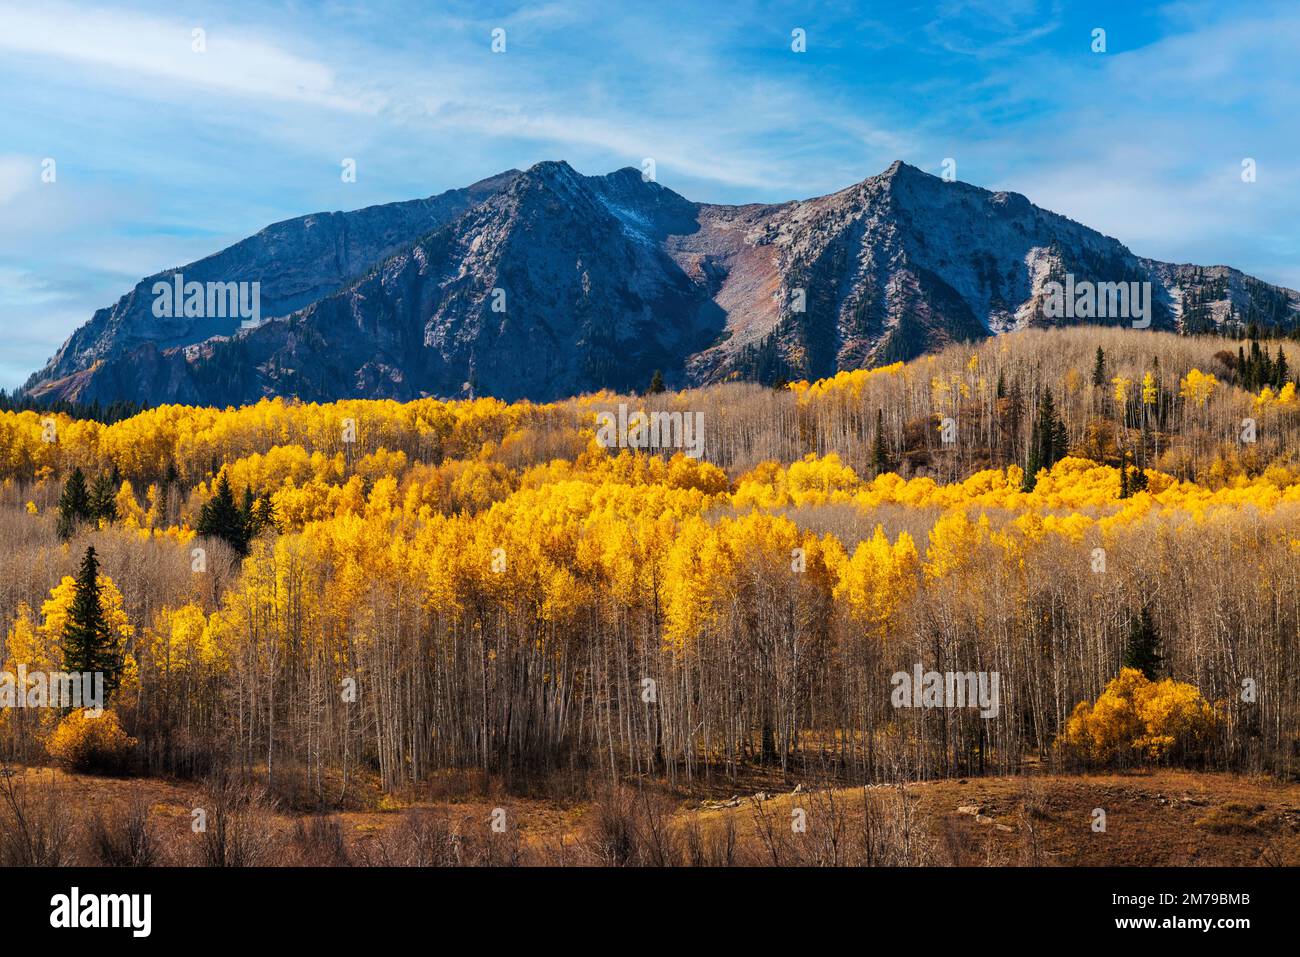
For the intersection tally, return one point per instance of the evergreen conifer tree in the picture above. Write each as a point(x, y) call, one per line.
point(1141, 650)
point(87, 640)
point(221, 518)
point(74, 504)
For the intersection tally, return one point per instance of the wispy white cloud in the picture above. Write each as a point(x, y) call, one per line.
point(17, 175)
point(153, 48)
point(989, 28)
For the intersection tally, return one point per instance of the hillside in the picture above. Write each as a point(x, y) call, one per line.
point(506, 581)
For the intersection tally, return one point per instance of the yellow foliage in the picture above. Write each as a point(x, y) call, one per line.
point(180, 639)
point(954, 543)
point(1135, 715)
point(1150, 392)
point(1284, 397)
point(128, 509)
point(86, 743)
point(1197, 387)
point(846, 384)
point(879, 578)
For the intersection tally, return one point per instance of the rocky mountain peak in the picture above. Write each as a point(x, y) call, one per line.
point(545, 283)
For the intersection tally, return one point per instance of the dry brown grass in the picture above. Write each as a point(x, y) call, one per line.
point(1167, 817)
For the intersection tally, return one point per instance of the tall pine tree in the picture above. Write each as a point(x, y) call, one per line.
point(1142, 648)
point(263, 516)
point(1035, 460)
point(74, 504)
point(221, 518)
point(88, 644)
point(103, 500)
point(879, 451)
point(1048, 443)
point(1099, 368)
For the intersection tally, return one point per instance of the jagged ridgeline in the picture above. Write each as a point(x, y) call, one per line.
point(546, 283)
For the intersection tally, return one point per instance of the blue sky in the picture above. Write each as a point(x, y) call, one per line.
point(165, 155)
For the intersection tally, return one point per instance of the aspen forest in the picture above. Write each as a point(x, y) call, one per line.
point(313, 609)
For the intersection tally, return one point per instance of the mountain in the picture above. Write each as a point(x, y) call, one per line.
point(296, 262)
point(547, 283)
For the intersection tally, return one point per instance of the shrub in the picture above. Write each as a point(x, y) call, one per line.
point(36, 827)
point(1139, 718)
point(239, 826)
point(632, 828)
point(93, 745)
point(125, 839)
point(320, 842)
